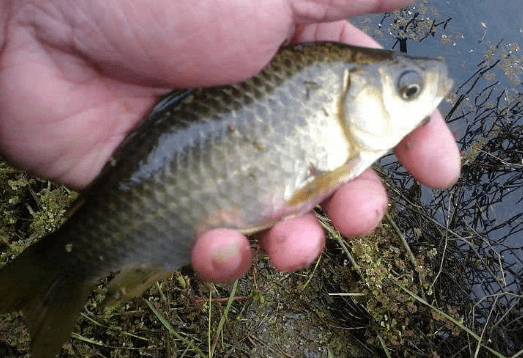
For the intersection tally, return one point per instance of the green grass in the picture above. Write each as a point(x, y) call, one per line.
point(364, 297)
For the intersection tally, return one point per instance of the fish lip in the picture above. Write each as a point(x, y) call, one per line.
point(445, 86)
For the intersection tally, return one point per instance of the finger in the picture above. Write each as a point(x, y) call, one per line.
point(430, 154)
point(320, 10)
point(294, 243)
point(342, 31)
point(234, 39)
point(221, 255)
point(357, 207)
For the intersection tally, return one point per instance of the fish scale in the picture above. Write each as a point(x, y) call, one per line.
point(242, 156)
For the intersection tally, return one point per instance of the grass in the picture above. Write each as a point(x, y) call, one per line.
point(365, 297)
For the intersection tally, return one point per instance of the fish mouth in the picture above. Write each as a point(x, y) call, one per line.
point(445, 86)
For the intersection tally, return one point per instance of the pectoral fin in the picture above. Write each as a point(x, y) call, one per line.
point(132, 282)
point(324, 183)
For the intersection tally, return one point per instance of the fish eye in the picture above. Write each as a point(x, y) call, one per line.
point(410, 85)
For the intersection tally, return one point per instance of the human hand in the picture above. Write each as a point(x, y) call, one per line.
point(75, 79)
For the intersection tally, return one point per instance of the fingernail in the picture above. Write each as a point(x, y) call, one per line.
point(226, 258)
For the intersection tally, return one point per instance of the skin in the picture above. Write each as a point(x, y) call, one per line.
point(75, 77)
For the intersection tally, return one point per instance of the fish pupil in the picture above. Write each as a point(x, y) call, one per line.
point(410, 92)
point(409, 84)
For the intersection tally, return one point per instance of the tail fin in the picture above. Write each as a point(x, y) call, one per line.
point(49, 296)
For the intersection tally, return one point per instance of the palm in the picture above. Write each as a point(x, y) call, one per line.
point(66, 103)
point(75, 80)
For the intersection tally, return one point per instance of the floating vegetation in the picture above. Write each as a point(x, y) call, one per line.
point(476, 227)
point(410, 24)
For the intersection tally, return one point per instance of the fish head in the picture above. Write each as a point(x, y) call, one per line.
point(387, 100)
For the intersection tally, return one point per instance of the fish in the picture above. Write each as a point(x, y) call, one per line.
point(242, 156)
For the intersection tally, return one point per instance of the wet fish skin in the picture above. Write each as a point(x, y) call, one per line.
point(242, 156)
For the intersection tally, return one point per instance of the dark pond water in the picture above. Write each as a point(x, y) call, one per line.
point(477, 225)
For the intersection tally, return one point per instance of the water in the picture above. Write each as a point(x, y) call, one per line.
point(477, 225)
